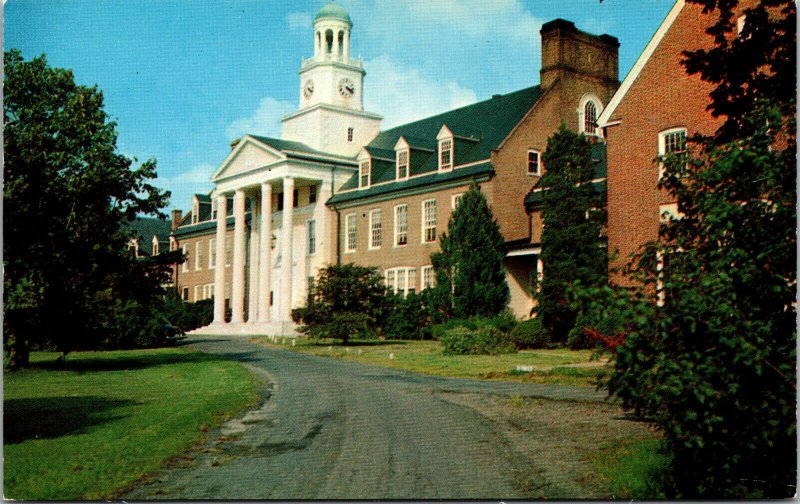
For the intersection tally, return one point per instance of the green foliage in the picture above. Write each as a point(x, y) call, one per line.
point(470, 279)
point(530, 334)
point(573, 215)
point(67, 196)
point(346, 301)
point(505, 322)
point(438, 331)
point(485, 340)
point(409, 317)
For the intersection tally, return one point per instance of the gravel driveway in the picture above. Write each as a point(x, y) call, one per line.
point(335, 429)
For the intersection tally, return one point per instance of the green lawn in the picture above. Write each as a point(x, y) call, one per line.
point(96, 425)
point(630, 468)
point(549, 366)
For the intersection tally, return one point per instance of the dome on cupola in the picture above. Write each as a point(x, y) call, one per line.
point(333, 11)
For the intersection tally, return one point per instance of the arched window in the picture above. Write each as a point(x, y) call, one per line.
point(328, 41)
point(590, 118)
point(341, 44)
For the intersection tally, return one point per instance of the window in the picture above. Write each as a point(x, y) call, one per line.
point(198, 256)
point(429, 221)
point(228, 250)
point(186, 294)
point(312, 237)
point(400, 225)
point(197, 291)
point(349, 134)
point(446, 154)
point(173, 244)
point(534, 166)
point(195, 211)
point(375, 235)
point(212, 253)
point(402, 164)
point(208, 291)
point(363, 173)
point(350, 238)
point(213, 208)
point(155, 247)
point(312, 194)
point(401, 280)
point(295, 198)
point(456, 200)
point(671, 142)
point(590, 118)
point(279, 198)
point(185, 266)
point(427, 277)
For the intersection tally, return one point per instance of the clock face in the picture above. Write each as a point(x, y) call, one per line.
point(346, 87)
point(308, 88)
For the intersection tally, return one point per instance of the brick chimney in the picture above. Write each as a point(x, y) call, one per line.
point(176, 218)
point(567, 51)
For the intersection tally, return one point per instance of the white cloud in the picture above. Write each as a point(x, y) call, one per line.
point(402, 94)
point(196, 180)
point(299, 21)
point(266, 120)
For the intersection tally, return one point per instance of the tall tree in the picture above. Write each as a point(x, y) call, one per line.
point(573, 216)
point(470, 278)
point(714, 365)
point(67, 194)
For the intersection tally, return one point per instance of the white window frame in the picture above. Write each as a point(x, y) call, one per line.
point(198, 290)
point(398, 229)
point(155, 246)
point(228, 249)
point(426, 222)
point(311, 237)
point(455, 200)
point(428, 278)
point(212, 253)
point(195, 211)
point(662, 145)
point(364, 168)
point(185, 294)
point(538, 170)
point(198, 255)
point(405, 163)
point(350, 237)
point(185, 249)
point(598, 108)
point(401, 280)
point(446, 146)
point(350, 132)
point(375, 229)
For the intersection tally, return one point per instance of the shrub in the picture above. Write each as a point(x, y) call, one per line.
point(530, 334)
point(439, 330)
point(409, 318)
point(504, 322)
point(482, 341)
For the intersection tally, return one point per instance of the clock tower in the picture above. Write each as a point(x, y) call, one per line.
point(331, 115)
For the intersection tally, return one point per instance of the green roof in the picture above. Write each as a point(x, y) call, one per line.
point(144, 228)
point(414, 182)
point(333, 11)
point(298, 149)
point(478, 129)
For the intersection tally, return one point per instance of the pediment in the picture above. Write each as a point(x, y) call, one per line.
point(249, 154)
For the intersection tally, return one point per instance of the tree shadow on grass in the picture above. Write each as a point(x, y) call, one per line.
point(52, 417)
point(119, 361)
point(358, 343)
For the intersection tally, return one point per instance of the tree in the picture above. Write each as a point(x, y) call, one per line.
point(345, 301)
point(470, 278)
point(713, 364)
point(573, 216)
point(67, 196)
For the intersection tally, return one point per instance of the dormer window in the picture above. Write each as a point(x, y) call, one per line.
point(363, 173)
point(213, 208)
point(402, 164)
point(155, 246)
point(195, 211)
point(446, 154)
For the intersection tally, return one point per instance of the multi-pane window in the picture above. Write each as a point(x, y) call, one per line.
point(429, 221)
point(195, 212)
point(349, 134)
point(534, 167)
point(312, 194)
point(401, 224)
point(208, 291)
point(197, 290)
point(155, 248)
point(198, 255)
point(590, 118)
point(671, 142)
point(212, 253)
point(427, 277)
point(364, 173)
point(228, 250)
point(402, 164)
point(350, 238)
point(375, 231)
point(445, 154)
point(456, 200)
point(185, 266)
point(401, 280)
point(312, 237)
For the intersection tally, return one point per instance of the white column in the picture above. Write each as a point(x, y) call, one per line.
point(253, 269)
point(265, 259)
point(219, 266)
point(286, 252)
point(237, 292)
point(336, 48)
point(347, 47)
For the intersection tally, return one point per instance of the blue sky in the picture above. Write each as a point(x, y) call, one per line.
point(182, 78)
